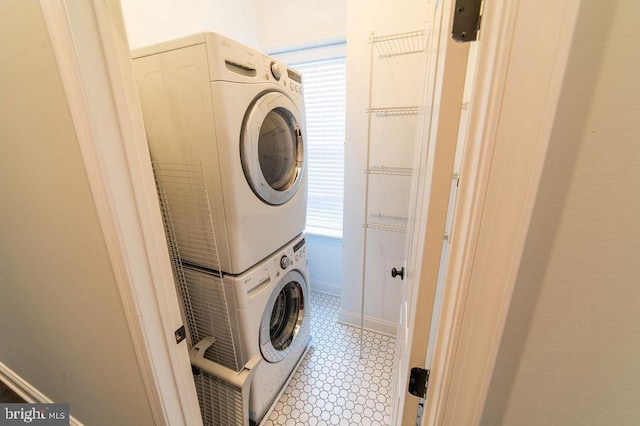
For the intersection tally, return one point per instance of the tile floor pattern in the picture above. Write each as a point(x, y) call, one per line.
point(332, 385)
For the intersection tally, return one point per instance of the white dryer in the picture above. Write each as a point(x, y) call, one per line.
point(239, 114)
point(273, 313)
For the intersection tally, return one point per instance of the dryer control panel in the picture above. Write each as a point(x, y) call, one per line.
point(292, 82)
point(279, 73)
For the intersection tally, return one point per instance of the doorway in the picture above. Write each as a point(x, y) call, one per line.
point(394, 250)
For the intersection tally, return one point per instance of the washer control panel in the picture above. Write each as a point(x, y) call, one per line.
point(287, 259)
point(290, 257)
point(258, 282)
point(300, 250)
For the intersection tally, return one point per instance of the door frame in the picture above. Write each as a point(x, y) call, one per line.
point(512, 108)
point(91, 48)
point(478, 287)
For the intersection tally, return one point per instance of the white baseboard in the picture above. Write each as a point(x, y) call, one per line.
point(370, 323)
point(326, 287)
point(26, 391)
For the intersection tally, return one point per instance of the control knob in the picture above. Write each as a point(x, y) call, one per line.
point(285, 262)
point(276, 71)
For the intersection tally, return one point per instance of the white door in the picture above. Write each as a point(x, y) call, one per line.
point(430, 194)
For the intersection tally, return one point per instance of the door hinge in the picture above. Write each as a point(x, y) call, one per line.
point(418, 382)
point(466, 20)
point(180, 334)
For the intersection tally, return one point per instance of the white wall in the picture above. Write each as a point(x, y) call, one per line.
point(153, 21)
point(285, 25)
point(62, 324)
point(325, 263)
point(569, 354)
point(395, 137)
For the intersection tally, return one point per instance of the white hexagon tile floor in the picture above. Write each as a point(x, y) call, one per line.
point(332, 385)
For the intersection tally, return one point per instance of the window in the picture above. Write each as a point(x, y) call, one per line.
point(323, 72)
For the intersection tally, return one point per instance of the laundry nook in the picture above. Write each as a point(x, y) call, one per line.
point(252, 213)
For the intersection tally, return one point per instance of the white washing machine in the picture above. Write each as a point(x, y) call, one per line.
point(238, 114)
point(269, 315)
point(273, 313)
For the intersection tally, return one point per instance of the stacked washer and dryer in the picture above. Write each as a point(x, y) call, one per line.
point(236, 116)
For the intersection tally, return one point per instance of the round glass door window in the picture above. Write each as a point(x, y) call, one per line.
point(283, 317)
point(272, 148)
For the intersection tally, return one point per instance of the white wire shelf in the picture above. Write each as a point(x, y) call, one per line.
point(188, 223)
point(387, 46)
point(401, 110)
point(400, 44)
point(183, 195)
point(389, 171)
point(384, 222)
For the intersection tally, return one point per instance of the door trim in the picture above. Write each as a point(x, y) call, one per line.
point(511, 116)
point(106, 113)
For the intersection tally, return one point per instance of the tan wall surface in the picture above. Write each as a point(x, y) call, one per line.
point(62, 325)
point(569, 355)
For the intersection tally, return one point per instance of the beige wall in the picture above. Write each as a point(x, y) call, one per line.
point(284, 25)
point(62, 325)
point(154, 21)
point(569, 355)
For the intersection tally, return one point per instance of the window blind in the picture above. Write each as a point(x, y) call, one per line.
point(324, 93)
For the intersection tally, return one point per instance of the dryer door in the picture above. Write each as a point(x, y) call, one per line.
point(272, 148)
point(283, 316)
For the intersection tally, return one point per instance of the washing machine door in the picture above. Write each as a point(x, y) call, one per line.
point(283, 317)
point(272, 148)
